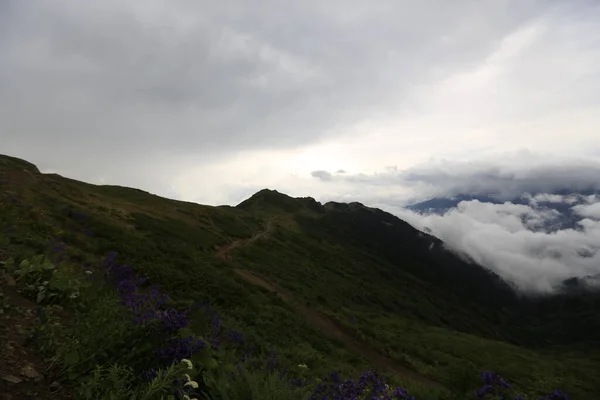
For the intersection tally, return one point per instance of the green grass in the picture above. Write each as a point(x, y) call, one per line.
point(341, 262)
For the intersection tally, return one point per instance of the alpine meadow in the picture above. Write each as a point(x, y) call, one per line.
point(110, 292)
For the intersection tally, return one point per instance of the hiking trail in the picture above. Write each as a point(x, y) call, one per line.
point(24, 372)
point(321, 322)
point(223, 252)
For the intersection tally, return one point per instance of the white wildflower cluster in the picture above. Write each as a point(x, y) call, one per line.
point(189, 382)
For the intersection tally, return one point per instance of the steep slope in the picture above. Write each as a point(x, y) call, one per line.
point(360, 287)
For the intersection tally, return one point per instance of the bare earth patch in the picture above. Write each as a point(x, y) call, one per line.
point(24, 374)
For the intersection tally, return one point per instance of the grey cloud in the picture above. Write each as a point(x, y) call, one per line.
point(593, 198)
point(506, 183)
point(545, 197)
point(322, 175)
point(504, 178)
point(555, 198)
point(109, 86)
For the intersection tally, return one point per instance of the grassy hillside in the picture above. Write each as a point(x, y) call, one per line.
point(334, 287)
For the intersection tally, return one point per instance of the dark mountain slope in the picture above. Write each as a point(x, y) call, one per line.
point(422, 255)
point(391, 240)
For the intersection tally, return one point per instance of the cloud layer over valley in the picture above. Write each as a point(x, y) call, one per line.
point(511, 240)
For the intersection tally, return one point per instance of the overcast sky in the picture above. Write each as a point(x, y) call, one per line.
point(210, 101)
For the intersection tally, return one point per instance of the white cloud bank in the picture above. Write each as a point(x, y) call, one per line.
point(591, 210)
point(507, 239)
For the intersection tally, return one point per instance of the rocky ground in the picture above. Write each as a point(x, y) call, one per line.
point(24, 373)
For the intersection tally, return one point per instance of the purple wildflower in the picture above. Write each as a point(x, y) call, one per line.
point(150, 374)
point(173, 319)
point(557, 395)
point(235, 337)
point(178, 349)
point(272, 361)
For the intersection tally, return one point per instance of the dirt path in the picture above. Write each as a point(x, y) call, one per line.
point(23, 371)
point(329, 327)
point(224, 251)
point(337, 331)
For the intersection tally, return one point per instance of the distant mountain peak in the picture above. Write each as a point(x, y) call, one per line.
point(337, 206)
point(270, 199)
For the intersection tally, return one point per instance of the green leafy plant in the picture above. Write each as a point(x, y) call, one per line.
point(4, 306)
point(117, 382)
point(42, 281)
point(242, 384)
